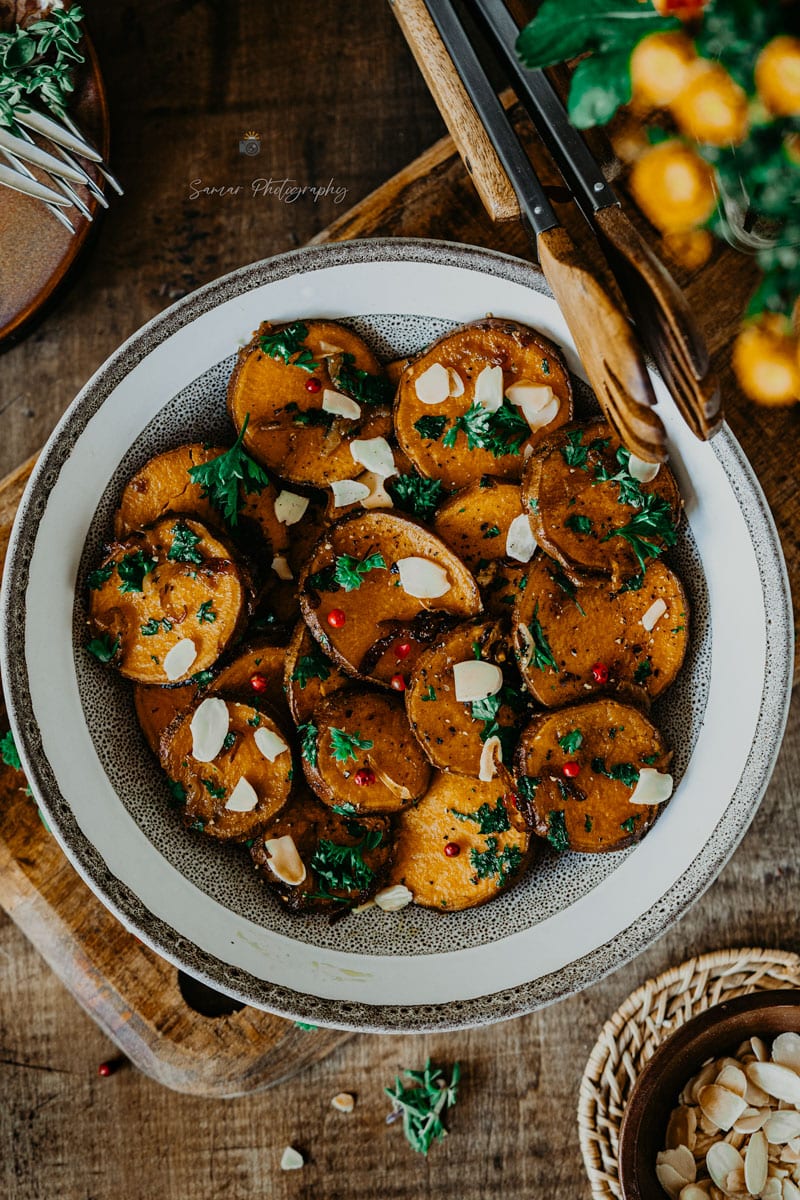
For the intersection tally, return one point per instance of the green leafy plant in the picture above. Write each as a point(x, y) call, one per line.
point(431, 428)
point(625, 773)
point(340, 868)
point(364, 387)
point(571, 742)
point(103, 648)
point(346, 745)
point(309, 746)
point(424, 1104)
point(286, 345)
point(37, 64)
point(132, 569)
point(541, 656)
point(653, 520)
point(224, 478)
point(415, 495)
point(349, 572)
point(311, 666)
point(184, 544)
point(97, 578)
point(500, 432)
point(206, 614)
point(557, 834)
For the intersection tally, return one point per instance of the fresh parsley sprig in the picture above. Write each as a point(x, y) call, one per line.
point(416, 495)
point(286, 345)
point(424, 1104)
point(364, 387)
point(349, 572)
point(103, 648)
point(623, 772)
point(488, 819)
point(311, 666)
point(541, 656)
point(340, 868)
point(500, 432)
point(184, 545)
point(653, 520)
point(132, 569)
point(308, 742)
point(220, 478)
point(557, 834)
point(488, 864)
point(344, 745)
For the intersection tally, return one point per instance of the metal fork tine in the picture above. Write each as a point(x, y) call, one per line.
point(34, 188)
point(40, 158)
point(62, 184)
point(56, 132)
point(102, 168)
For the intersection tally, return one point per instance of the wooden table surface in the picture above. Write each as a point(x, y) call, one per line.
point(337, 100)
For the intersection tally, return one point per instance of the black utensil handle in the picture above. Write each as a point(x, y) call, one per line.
point(581, 172)
point(535, 208)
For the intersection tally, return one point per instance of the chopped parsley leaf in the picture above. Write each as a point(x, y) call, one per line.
point(526, 786)
point(361, 385)
point(342, 868)
point(203, 678)
point(344, 745)
point(653, 520)
point(492, 532)
point(229, 740)
point(500, 432)
point(214, 790)
point(348, 572)
point(286, 345)
point(415, 495)
point(488, 864)
point(184, 544)
point(587, 823)
point(220, 477)
point(571, 741)
point(541, 655)
point(311, 666)
point(430, 694)
point(623, 772)
point(488, 819)
point(629, 825)
point(579, 523)
point(574, 453)
point(545, 367)
point(206, 614)
point(424, 1104)
point(557, 834)
point(97, 578)
point(132, 570)
point(649, 759)
point(103, 648)
point(9, 752)
point(177, 792)
point(430, 428)
point(152, 626)
point(308, 742)
point(560, 579)
point(643, 671)
point(324, 580)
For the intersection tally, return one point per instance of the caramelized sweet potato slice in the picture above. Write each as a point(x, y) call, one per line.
point(157, 707)
point(168, 601)
point(595, 635)
point(460, 846)
point(589, 810)
point(352, 592)
point(288, 430)
point(433, 434)
point(359, 752)
point(453, 733)
point(217, 803)
point(255, 676)
point(309, 675)
point(333, 881)
point(576, 487)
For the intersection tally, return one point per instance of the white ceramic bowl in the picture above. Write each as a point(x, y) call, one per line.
point(574, 917)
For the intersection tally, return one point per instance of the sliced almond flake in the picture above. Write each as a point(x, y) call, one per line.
point(682, 1128)
point(756, 1163)
point(433, 385)
point(535, 396)
point(270, 743)
point(696, 1191)
point(538, 418)
point(290, 508)
point(671, 1181)
point(751, 1120)
point(772, 1190)
point(391, 899)
point(378, 496)
point(360, 908)
point(284, 860)
point(179, 658)
point(756, 1096)
point(790, 1190)
point(682, 1160)
point(706, 1075)
point(476, 680)
point(707, 1125)
point(326, 348)
point(243, 798)
point(348, 491)
point(422, 579)
point(652, 787)
point(780, 1127)
point(759, 1049)
point(732, 1078)
point(375, 454)
point(786, 1050)
point(654, 614)
point(644, 472)
point(291, 1159)
point(721, 1160)
point(491, 755)
point(456, 383)
point(209, 728)
point(520, 542)
point(343, 1102)
point(280, 566)
point(777, 1172)
point(789, 1156)
point(777, 1080)
point(489, 388)
point(737, 1140)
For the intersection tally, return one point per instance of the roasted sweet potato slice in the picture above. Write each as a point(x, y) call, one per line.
point(345, 858)
point(309, 675)
point(167, 602)
point(458, 438)
point(157, 707)
point(460, 846)
point(357, 587)
point(359, 752)
point(596, 636)
point(589, 513)
point(455, 734)
point(247, 782)
point(255, 676)
point(289, 431)
point(290, 553)
point(588, 809)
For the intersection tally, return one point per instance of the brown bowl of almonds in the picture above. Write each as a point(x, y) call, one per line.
point(716, 1111)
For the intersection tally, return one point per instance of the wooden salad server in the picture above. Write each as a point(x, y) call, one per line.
point(603, 336)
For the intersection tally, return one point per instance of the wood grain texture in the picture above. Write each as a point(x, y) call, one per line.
point(474, 145)
point(184, 81)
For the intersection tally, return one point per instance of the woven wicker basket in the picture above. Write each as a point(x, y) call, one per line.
point(642, 1022)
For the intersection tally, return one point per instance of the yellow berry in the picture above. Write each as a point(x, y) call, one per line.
point(765, 361)
point(660, 68)
point(711, 108)
point(778, 76)
point(673, 187)
point(692, 248)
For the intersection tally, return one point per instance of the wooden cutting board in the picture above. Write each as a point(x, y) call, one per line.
point(135, 996)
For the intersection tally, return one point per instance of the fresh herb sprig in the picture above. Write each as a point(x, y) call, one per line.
point(424, 1104)
point(345, 745)
point(103, 648)
point(132, 569)
point(571, 742)
point(349, 572)
point(364, 387)
point(340, 868)
point(653, 520)
point(625, 772)
point(311, 666)
point(488, 864)
point(184, 545)
point(430, 428)
point(98, 577)
point(286, 345)
point(557, 834)
point(220, 478)
point(541, 656)
point(416, 495)
point(500, 432)
point(37, 63)
point(488, 819)
point(309, 746)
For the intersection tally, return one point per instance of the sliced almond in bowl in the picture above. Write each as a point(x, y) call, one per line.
point(721, 1160)
point(682, 1128)
point(720, 1105)
point(734, 1079)
point(778, 1081)
point(780, 1127)
point(786, 1050)
point(756, 1163)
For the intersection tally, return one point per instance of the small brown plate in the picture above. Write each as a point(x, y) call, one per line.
point(711, 1034)
point(38, 252)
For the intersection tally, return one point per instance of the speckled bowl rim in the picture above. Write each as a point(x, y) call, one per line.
point(455, 1014)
